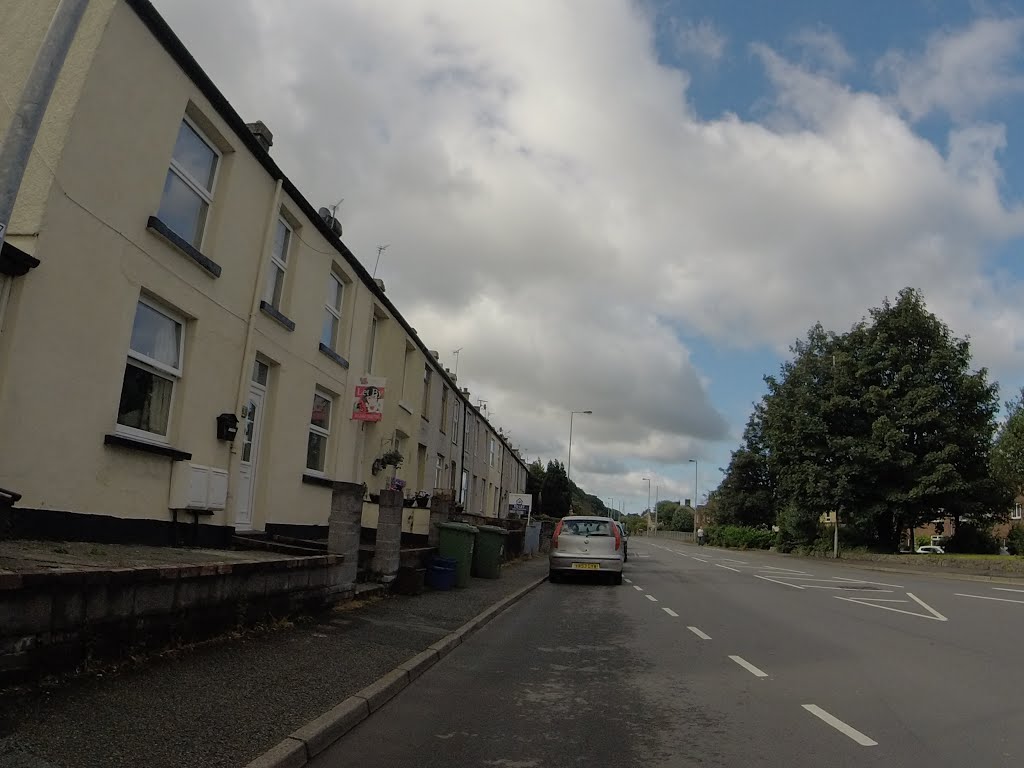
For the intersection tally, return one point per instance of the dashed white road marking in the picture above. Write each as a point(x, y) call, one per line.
point(1007, 589)
point(748, 666)
point(652, 598)
point(638, 589)
point(839, 725)
point(783, 583)
point(628, 581)
point(671, 613)
point(699, 634)
point(698, 559)
point(732, 560)
point(985, 597)
point(846, 589)
point(927, 607)
point(728, 568)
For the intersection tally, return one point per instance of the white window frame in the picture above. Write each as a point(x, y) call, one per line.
point(193, 184)
point(428, 380)
point(439, 472)
point(1017, 513)
point(334, 311)
point(157, 368)
point(491, 449)
point(455, 423)
point(278, 264)
point(325, 433)
point(374, 322)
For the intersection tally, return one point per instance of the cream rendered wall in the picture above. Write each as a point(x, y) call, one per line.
point(23, 25)
point(72, 322)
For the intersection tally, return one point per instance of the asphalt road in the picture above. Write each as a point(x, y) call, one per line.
point(712, 658)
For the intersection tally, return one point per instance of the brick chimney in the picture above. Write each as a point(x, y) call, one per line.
point(262, 134)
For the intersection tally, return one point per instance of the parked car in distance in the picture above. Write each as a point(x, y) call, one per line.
point(586, 545)
point(930, 549)
point(625, 542)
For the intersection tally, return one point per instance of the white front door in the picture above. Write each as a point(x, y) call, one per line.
point(251, 423)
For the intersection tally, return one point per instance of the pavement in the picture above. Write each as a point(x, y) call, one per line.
point(709, 657)
point(223, 704)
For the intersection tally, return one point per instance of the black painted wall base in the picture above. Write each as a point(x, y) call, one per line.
point(297, 531)
point(58, 525)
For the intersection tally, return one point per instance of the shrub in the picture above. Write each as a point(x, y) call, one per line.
point(1015, 540)
point(971, 540)
point(740, 537)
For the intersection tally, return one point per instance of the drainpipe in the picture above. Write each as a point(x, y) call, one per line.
point(245, 372)
point(501, 480)
point(35, 97)
point(465, 431)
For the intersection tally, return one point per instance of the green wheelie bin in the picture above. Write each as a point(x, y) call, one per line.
point(490, 546)
point(456, 541)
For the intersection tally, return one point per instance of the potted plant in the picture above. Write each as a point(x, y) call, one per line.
point(391, 458)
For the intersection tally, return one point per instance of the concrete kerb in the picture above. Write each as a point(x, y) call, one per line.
point(319, 734)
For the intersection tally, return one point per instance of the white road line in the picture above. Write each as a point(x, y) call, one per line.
point(871, 603)
point(776, 568)
point(731, 560)
point(671, 613)
point(699, 634)
point(728, 568)
point(783, 583)
point(840, 726)
point(652, 598)
point(846, 589)
point(927, 607)
point(984, 597)
point(748, 666)
point(1007, 589)
point(638, 589)
point(698, 559)
point(877, 583)
point(628, 581)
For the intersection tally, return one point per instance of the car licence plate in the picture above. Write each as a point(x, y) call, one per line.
point(587, 566)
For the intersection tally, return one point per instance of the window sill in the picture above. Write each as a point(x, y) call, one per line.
point(277, 317)
point(404, 407)
point(324, 349)
point(175, 240)
point(324, 482)
point(134, 444)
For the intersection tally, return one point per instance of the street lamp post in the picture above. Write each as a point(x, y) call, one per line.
point(568, 465)
point(650, 512)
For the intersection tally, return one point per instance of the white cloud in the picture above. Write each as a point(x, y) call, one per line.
point(823, 47)
point(959, 72)
point(700, 38)
point(556, 208)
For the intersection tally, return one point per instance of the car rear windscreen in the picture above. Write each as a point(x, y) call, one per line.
point(587, 528)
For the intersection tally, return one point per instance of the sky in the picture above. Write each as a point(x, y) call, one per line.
point(635, 207)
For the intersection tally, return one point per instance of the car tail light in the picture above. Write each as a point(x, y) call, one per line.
point(618, 538)
point(554, 539)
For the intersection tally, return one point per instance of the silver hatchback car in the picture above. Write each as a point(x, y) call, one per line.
point(586, 545)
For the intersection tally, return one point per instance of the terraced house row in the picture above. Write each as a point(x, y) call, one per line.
point(183, 333)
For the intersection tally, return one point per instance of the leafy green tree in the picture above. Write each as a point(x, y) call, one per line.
point(1008, 451)
point(887, 424)
point(556, 490)
point(746, 495)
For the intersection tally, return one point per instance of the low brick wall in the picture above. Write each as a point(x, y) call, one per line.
point(53, 621)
